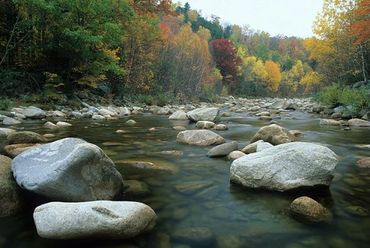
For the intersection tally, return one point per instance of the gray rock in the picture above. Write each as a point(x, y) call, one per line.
point(279, 104)
point(205, 124)
point(105, 112)
point(69, 169)
point(4, 132)
point(199, 138)
point(97, 219)
point(178, 115)
point(63, 124)
point(235, 155)
point(204, 114)
point(329, 122)
point(223, 150)
point(33, 112)
point(11, 200)
point(50, 125)
point(10, 121)
point(123, 111)
point(359, 123)
point(263, 146)
point(308, 210)
point(164, 111)
point(273, 134)
point(76, 114)
point(25, 137)
point(285, 167)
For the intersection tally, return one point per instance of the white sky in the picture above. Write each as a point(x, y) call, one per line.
point(287, 17)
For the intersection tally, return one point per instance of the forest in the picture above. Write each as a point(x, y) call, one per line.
point(147, 49)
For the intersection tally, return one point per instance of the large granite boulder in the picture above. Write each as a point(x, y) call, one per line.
point(285, 167)
point(11, 200)
point(10, 121)
point(25, 137)
point(274, 134)
point(358, 123)
point(68, 170)
point(199, 138)
point(96, 219)
point(204, 114)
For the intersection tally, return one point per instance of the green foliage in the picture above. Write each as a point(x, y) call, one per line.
point(5, 103)
point(208, 94)
point(356, 101)
point(158, 99)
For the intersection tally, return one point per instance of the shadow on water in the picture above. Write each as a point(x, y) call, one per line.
point(194, 191)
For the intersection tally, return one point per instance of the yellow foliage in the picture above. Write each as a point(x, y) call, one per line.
point(273, 75)
point(311, 79)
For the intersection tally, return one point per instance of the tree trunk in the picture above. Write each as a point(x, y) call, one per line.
point(363, 63)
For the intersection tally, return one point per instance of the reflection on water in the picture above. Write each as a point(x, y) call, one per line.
point(190, 191)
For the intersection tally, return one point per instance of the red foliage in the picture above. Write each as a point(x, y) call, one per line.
point(361, 28)
point(226, 58)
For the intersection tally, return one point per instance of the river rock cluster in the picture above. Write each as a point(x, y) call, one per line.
point(83, 185)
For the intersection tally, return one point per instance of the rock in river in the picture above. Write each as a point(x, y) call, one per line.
point(235, 155)
point(178, 115)
point(200, 138)
point(274, 134)
point(96, 219)
point(25, 137)
point(223, 150)
point(307, 210)
point(69, 170)
point(4, 132)
point(33, 112)
point(359, 123)
point(11, 200)
point(10, 121)
point(205, 124)
point(285, 167)
point(204, 114)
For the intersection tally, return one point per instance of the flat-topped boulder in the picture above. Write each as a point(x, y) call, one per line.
point(33, 112)
point(70, 169)
point(285, 167)
point(95, 219)
point(204, 114)
point(199, 138)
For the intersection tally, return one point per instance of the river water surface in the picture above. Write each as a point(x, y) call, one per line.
point(196, 191)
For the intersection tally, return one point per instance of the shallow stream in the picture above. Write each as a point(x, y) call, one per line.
point(196, 192)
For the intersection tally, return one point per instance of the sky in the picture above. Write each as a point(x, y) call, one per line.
point(287, 17)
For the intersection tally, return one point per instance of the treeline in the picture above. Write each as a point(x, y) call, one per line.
point(152, 47)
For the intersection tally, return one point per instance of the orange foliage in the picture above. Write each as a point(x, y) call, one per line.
point(361, 28)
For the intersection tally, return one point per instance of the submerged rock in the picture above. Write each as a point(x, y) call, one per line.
point(307, 210)
point(50, 125)
point(97, 219)
point(223, 150)
point(364, 163)
point(204, 114)
point(273, 134)
point(285, 167)
point(195, 236)
point(220, 127)
point(136, 188)
point(63, 124)
point(69, 170)
point(11, 200)
point(130, 122)
point(199, 138)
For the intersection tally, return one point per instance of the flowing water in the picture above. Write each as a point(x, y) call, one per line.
point(196, 192)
